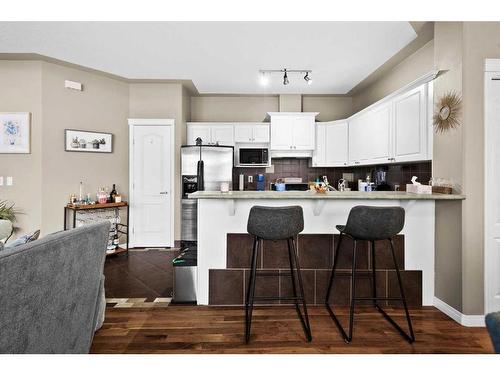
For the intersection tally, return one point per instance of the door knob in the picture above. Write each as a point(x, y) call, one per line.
point(163, 192)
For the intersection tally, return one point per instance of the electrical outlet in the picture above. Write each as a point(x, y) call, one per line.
point(10, 181)
point(250, 178)
point(348, 176)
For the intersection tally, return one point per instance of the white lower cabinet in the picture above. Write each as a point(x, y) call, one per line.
point(331, 144)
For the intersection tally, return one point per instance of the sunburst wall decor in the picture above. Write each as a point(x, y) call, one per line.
point(447, 114)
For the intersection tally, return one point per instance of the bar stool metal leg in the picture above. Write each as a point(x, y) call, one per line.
point(304, 319)
point(251, 289)
point(347, 337)
point(330, 289)
point(410, 338)
point(353, 291)
point(334, 268)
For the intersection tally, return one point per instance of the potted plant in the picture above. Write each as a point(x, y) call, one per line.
point(7, 217)
point(74, 143)
point(96, 143)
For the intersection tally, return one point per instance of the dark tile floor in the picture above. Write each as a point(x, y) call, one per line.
point(143, 274)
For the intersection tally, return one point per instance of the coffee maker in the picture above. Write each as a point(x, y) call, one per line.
point(380, 178)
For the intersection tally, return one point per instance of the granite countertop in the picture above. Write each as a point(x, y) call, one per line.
point(390, 195)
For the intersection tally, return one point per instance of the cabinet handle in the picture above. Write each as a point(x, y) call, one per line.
point(356, 162)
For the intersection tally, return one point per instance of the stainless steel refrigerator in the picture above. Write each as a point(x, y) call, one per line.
point(217, 167)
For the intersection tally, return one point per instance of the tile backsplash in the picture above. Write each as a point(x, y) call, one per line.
point(397, 174)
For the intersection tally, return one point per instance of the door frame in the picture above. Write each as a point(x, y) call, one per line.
point(491, 66)
point(132, 123)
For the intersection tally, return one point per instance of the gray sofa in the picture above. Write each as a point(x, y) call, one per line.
point(52, 292)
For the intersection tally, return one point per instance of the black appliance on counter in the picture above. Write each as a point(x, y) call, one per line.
point(380, 178)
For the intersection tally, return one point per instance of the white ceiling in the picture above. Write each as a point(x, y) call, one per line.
point(219, 57)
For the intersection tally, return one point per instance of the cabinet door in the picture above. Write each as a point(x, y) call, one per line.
point(243, 133)
point(336, 144)
point(261, 133)
point(303, 133)
point(319, 155)
point(377, 135)
point(282, 132)
point(223, 134)
point(410, 133)
point(357, 140)
point(197, 130)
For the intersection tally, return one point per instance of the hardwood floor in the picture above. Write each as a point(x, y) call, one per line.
point(203, 329)
point(143, 274)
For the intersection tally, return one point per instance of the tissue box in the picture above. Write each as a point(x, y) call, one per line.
point(419, 189)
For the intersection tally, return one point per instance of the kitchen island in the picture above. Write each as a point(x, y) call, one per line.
point(222, 216)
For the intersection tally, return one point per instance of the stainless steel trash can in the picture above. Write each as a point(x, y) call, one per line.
point(185, 269)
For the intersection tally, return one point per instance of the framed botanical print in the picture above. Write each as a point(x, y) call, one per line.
point(15, 132)
point(88, 141)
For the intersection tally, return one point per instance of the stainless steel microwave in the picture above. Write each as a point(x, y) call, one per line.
point(253, 156)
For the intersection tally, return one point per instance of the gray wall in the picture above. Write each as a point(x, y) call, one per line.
point(411, 68)
point(101, 106)
point(254, 108)
point(21, 83)
point(447, 163)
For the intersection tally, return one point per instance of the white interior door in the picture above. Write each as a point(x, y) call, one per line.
point(492, 199)
point(152, 193)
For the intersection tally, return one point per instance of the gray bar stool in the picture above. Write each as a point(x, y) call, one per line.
point(276, 223)
point(370, 224)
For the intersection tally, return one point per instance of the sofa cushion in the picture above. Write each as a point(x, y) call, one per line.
point(24, 239)
point(50, 291)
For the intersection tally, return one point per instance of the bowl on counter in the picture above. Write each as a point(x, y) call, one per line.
point(280, 186)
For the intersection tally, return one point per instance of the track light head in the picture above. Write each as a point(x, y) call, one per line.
point(285, 79)
point(308, 79)
point(264, 79)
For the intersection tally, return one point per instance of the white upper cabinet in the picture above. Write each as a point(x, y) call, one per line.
point(210, 133)
point(336, 143)
point(223, 134)
point(292, 131)
point(393, 130)
point(377, 135)
point(195, 131)
point(251, 133)
point(261, 133)
point(331, 144)
point(410, 126)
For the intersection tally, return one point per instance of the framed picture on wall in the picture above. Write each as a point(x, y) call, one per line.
point(87, 141)
point(15, 129)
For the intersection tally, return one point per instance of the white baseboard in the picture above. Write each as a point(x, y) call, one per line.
point(457, 316)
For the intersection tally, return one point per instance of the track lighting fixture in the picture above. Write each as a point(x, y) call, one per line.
point(265, 75)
